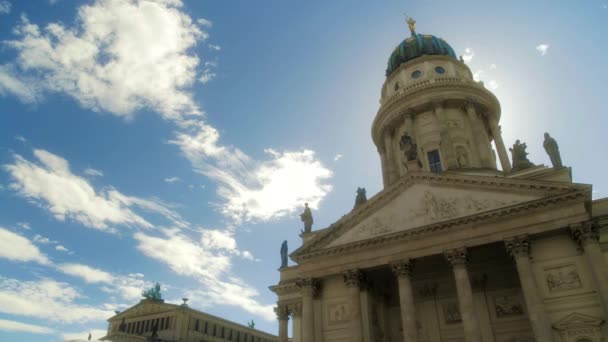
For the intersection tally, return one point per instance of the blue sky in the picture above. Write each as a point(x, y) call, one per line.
point(176, 141)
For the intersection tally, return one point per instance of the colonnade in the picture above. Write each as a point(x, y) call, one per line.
point(585, 234)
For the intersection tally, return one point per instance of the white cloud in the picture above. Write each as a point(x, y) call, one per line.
point(51, 184)
point(20, 138)
point(171, 179)
point(206, 76)
point(251, 189)
point(92, 172)
point(492, 84)
point(13, 326)
point(204, 22)
point(337, 157)
point(43, 240)
point(493, 66)
point(15, 247)
point(96, 334)
point(24, 225)
point(5, 7)
point(215, 47)
point(542, 48)
point(87, 273)
point(25, 89)
point(468, 55)
point(148, 40)
point(128, 287)
point(209, 263)
point(46, 299)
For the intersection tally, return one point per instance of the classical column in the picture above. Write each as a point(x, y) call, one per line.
point(283, 317)
point(403, 272)
point(307, 287)
point(500, 147)
point(458, 259)
point(391, 169)
point(480, 134)
point(447, 145)
point(353, 279)
point(383, 162)
point(587, 236)
point(519, 248)
point(296, 324)
point(473, 129)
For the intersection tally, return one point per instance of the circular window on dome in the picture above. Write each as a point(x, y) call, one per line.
point(440, 70)
point(417, 74)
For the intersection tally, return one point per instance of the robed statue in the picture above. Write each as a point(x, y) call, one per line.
point(361, 197)
point(284, 254)
point(520, 156)
point(306, 217)
point(552, 149)
point(409, 147)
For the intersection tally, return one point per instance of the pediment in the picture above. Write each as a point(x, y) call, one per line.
point(422, 199)
point(144, 307)
point(577, 320)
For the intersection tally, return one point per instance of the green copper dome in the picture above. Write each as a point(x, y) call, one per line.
point(416, 46)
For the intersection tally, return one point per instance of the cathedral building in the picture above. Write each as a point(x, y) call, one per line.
point(462, 243)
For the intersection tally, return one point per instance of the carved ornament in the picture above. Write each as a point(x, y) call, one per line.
point(456, 256)
point(403, 268)
point(585, 233)
point(518, 246)
point(353, 278)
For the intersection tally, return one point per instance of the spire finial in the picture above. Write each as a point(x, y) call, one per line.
point(411, 23)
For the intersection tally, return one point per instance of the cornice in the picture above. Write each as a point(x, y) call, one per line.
point(541, 188)
point(530, 207)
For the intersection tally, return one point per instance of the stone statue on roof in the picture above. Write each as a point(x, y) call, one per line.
point(552, 150)
point(153, 293)
point(284, 254)
point(520, 156)
point(361, 197)
point(306, 217)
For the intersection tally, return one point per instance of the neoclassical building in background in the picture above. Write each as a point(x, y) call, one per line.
point(453, 248)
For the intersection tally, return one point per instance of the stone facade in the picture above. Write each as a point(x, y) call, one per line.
point(177, 323)
point(453, 248)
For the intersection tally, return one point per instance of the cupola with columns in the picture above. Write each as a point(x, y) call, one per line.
point(433, 115)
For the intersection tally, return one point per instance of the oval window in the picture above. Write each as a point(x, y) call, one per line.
point(440, 70)
point(417, 74)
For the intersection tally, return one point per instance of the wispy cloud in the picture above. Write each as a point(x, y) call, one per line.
point(209, 263)
point(171, 179)
point(468, 55)
point(14, 326)
point(128, 286)
point(337, 157)
point(215, 47)
point(46, 299)
point(5, 7)
point(542, 48)
point(15, 247)
point(204, 22)
point(92, 172)
point(51, 184)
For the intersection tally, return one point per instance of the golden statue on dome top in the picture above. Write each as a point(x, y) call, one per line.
point(411, 23)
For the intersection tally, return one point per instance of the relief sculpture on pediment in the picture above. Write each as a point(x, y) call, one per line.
point(435, 207)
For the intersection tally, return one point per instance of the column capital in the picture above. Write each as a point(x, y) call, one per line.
point(403, 268)
point(295, 310)
point(518, 246)
point(282, 312)
point(308, 285)
point(353, 278)
point(456, 256)
point(585, 233)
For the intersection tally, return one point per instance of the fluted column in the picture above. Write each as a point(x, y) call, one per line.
point(447, 145)
point(353, 279)
point(480, 136)
point(383, 162)
point(283, 317)
point(458, 259)
point(391, 167)
point(500, 147)
point(296, 323)
point(403, 272)
point(519, 248)
point(307, 287)
point(587, 236)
